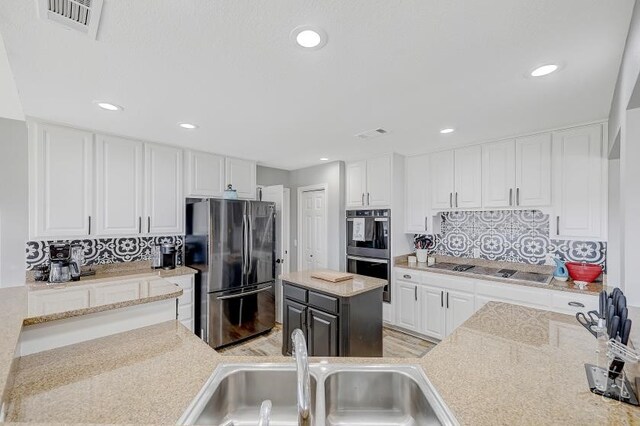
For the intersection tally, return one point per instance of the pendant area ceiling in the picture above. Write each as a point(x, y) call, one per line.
point(412, 67)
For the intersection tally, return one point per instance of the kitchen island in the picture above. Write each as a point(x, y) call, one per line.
point(337, 318)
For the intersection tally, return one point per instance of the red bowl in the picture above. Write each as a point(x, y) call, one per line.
point(587, 272)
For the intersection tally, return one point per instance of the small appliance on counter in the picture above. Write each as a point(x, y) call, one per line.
point(60, 265)
point(163, 256)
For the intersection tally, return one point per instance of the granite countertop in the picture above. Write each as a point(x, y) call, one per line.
point(348, 288)
point(13, 308)
point(568, 286)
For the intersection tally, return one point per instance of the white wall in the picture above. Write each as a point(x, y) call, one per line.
point(333, 175)
point(13, 201)
point(614, 242)
point(10, 106)
point(267, 176)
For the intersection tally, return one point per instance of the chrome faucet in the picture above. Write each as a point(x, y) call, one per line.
point(304, 386)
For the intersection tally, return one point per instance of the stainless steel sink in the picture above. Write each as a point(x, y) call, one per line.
point(341, 394)
point(233, 395)
point(376, 398)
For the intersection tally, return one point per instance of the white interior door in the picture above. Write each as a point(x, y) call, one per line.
point(280, 196)
point(314, 230)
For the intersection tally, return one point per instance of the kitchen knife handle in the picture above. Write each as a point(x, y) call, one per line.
point(626, 331)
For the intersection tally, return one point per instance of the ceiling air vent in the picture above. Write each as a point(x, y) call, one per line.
point(370, 134)
point(79, 15)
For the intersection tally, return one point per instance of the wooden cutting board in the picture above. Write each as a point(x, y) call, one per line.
point(331, 276)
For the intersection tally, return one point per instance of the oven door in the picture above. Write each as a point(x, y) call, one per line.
point(373, 241)
point(371, 267)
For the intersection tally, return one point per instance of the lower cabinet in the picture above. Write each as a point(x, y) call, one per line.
point(333, 326)
point(186, 305)
point(460, 307)
point(407, 299)
point(433, 314)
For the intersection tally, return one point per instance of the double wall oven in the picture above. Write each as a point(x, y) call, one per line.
point(369, 245)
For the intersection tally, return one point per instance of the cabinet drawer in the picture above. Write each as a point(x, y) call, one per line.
point(572, 303)
point(184, 281)
point(184, 312)
point(408, 275)
point(295, 293)
point(45, 302)
point(186, 298)
point(521, 295)
point(326, 303)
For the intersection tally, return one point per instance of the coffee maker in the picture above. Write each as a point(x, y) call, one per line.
point(164, 256)
point(60, 263)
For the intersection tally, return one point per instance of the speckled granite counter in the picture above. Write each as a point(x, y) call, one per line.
point(569, 286)
point(348, 288)
point(13, 308)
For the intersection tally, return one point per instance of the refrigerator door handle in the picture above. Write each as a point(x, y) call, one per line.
point(246, 293)
point(244, 244)
point(250, 244)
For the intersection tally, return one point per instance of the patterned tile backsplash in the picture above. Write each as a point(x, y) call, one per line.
point(510, 236)
point(105, 250)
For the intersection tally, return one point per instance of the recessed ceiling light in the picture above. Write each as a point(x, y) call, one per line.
point(544, 70)
point(447, 130)
point(324, 159)
point(188, 126)
point(108, 106)
point(309, 38)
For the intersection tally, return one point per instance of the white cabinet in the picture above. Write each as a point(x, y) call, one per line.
point(119, 186)
point(205, 174)
point(498, 173)
point(241, 174)
point(468, 178)
point(45, 302)
point(533, 171)
point(186, 304)
point(417, 195)
point(368, 182)
point(456, 179)
point(459, 306)
point(432, 312)
point(164, 201)
point(60, 181)
point(408, 312)
point(115, 292)
point(579, 183)
point(442, 180)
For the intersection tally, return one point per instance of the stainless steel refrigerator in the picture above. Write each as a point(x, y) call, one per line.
point(232, 245)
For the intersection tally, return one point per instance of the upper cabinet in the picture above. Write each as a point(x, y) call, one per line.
point(119, 175)
point(417, 195)
point(60, 181)
point(205, 174)
point(164, 202)
point(456, 179)
point(368, 182)
point(579, 183)
point(241, 174)
point(517, 173)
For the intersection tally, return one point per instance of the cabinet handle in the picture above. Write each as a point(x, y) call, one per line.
point(451, 200)
point(407, 276)
point(517, 196)
point(363, 198)
point(368, 198)
point(442, 299)
point(576, 304)
point(456, 198)
point(447, 300)
point(148, 224)
point(139, 224)
point(557, 225)
point(426, 227)
point(511, 196)
point(89, 226)
point(415, 293)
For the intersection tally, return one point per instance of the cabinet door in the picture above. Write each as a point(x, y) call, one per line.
point(378, 192)
point(323, 337)
point(294, 317)
point(468, 178)
point(45, 302)
point(241, 174)
point(356, 177)
point(578, 183)
point(498, 174)
point(115, 292)
point(119, 181)
point(417, 194)
point(164, 206)
point(533, 171)
point(408, 313)
point(205, 174)
point(432, 311)
point(442, 180)
point(61, 185)
point(460, 306)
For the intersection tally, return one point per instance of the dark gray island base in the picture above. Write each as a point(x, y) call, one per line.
point(338, 319)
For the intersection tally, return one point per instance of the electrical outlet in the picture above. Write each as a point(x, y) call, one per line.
point(476, 252)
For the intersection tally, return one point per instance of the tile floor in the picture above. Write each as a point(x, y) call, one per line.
point(395, 345)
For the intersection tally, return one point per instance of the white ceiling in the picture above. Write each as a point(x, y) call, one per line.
point(410, 66)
